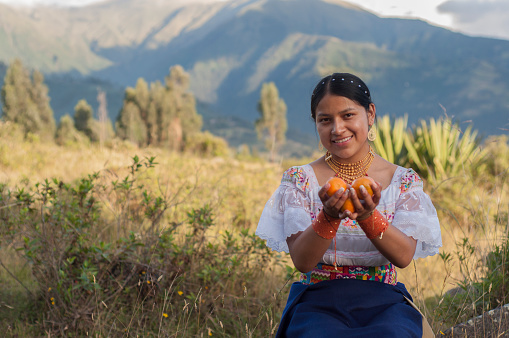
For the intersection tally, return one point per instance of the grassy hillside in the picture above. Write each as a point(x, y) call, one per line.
point(213, 207)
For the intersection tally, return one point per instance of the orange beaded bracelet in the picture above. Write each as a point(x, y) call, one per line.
point(375, 225)
point(326, 226)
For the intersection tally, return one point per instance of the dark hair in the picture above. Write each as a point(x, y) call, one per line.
point(341, 84)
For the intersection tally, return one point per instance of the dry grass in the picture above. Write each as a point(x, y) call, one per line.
point(239, 190)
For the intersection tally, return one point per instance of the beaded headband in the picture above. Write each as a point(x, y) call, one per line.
point(342, 80)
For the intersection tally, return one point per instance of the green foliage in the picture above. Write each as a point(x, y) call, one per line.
point(67, 134)
point(109, 260)
point(436, 149)
point(39, 94)
point(207, 144)
point(130, 125)
point(443, 150)
point(474, 297)
point(184, 103)
point(272, 124)
point(95, 130)
point(25, 101)
point(162, 115)
point(390, 140)
point(83, 120)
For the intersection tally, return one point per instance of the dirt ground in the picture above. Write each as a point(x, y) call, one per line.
point(494, 323)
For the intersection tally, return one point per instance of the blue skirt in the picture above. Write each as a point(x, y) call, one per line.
point(349, 308)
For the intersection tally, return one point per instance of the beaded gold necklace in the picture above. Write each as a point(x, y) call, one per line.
point(350, 171)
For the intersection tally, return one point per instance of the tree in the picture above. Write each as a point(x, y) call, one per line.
point(164, 113)
point(130, 126)
point(84, 120)
point(272, 125)
point(67, 134)
point(39, 93)
point(26, 102)
point(181, 120)
point(103, 124)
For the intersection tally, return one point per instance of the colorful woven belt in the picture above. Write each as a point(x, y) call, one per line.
point(383, 273)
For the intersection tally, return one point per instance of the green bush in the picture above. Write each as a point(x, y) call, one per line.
point(390, 141)
point(108, 260)
point(205, 143)
point(68, 135)
point(474, 297)
point(443, 150)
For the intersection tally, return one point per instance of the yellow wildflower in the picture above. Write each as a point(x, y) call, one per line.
point(49, 289)
point(148, 282)
point(165, 315)
point(180, 293)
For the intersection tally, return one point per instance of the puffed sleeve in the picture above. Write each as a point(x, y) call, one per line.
point(288, 211)
point(416, 216)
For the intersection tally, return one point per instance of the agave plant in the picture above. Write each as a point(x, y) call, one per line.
point(390, 141)
point(442, 150)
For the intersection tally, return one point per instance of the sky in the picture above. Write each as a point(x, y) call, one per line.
point(473, 17)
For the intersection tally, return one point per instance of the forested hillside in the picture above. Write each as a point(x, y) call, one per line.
point(230, 48)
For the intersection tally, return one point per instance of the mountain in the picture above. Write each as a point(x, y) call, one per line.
point(230, 48)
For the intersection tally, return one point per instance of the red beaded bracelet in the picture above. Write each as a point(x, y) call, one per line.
point(326, 226)
point(375, 225)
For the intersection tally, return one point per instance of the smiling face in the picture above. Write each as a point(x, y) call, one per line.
point(343, 125)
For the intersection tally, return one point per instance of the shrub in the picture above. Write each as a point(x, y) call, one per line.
point(443, 150)
point(67, 134)
point(474, 297)
point(207, 144)
point(108, 260)
point(390, 141)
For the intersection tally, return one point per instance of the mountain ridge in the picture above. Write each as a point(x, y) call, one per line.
point(230, 48)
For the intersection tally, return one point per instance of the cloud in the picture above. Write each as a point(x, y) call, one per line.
point(479, 17)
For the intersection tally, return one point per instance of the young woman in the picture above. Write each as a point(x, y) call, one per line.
point(348, 259)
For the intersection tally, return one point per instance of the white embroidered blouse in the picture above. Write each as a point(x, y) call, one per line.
point(295, 204)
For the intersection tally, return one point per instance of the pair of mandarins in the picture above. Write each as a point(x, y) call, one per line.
point(337, 183)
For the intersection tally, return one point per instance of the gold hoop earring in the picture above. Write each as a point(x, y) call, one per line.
point(372, 134)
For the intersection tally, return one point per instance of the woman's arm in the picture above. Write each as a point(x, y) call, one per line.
point(307, 247)
point(394, 245)
point(397, 247)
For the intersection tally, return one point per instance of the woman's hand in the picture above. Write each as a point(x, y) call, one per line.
point(363, 209)
point(332, 204)
point(365, 206)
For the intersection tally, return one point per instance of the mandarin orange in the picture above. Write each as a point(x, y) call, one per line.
point(336, 183)
point(365, 181)
point(348, 205)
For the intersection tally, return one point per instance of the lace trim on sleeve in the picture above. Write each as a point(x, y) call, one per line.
point(416, 216)
point(287, 212)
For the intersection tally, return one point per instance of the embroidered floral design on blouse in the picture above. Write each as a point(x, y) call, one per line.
point(410, 179)
point(348, 223)
point(313, 215)
point(296, 175)
point(388, 214)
